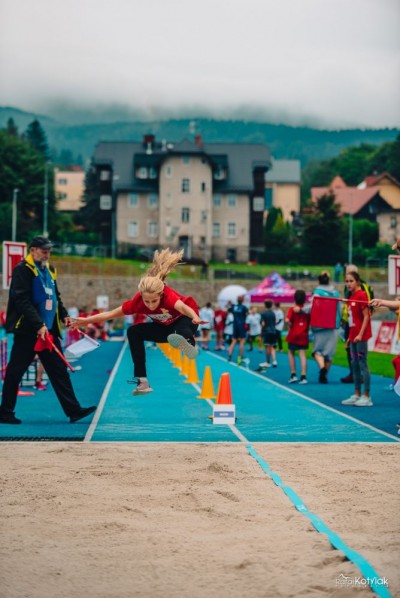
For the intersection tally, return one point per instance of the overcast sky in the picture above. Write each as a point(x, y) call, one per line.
point(332, 63)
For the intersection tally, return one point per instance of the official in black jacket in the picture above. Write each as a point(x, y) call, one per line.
point(34, 309)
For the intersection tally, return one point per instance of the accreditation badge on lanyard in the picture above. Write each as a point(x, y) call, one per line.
point(49, 301)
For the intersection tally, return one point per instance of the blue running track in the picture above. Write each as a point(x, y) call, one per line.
point(268, 408)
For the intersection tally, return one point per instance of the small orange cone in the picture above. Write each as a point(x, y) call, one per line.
point(193, 377)
point(185, 366)
point(207, 389)
point(224, 396)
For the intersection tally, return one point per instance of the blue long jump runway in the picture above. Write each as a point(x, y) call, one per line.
point(266, 410)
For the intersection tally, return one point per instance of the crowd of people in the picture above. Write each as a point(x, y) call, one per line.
point(306, 322)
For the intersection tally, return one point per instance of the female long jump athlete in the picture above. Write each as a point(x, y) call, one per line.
point(164, 315)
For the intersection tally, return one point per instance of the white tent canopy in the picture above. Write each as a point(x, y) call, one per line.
point(230, 293)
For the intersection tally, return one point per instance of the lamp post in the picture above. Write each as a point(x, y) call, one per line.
point(350, 252)
point(45, 199)
point(14, 216)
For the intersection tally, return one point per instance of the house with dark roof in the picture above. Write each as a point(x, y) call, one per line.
point(206, 198)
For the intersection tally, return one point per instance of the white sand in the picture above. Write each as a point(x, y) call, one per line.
point(195, 520)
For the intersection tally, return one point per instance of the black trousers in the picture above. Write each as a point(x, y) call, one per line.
point(138, 334)
point(22, 354)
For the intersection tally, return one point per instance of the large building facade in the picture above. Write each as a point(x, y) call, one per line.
point(208, 199)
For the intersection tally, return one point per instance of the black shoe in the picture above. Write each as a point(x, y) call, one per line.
point(323, 376)
point(9, 419)
point(84, 412)
point(347, 379)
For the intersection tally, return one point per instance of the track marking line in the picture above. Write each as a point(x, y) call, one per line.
point(104, 396)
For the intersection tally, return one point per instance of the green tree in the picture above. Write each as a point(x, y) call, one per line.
point(12, 127)
point(386, 158)
point(323, 238)
point(37, 138)
point(90, 216)
point(22, 167)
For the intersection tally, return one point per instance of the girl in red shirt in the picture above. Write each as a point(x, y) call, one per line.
point(160, 314)
point(298, 321)
point(359, 333)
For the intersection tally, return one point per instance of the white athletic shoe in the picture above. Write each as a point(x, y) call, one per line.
point(351, 400)
point(363, 402)
point(179, 342)
point(143, 387)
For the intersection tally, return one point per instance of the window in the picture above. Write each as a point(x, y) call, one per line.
point(152, 200)
point(63, 195)
point(231, 230)
point(185, 159)
point(62, 182)
point(141, 172)
point(185, 214)
point(152, 229)
point(133, 228)
point(203, 187)
point(393, 222)
point(258, 204)
point(219, 173)
point(216, 230)
point(133, 200)
point(217, 200)
point(152, 173)
point(105, 175)
point(185, 186)
point(168, 200)
point(168, 171)
point(232, 200)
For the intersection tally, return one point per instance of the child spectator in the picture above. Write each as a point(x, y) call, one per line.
point(254, 323)
point(268, 323)
point(207, 315)
point(359, 333)
point(298, 321)
point(279, 325)
point(219, 325)
point(228, 329)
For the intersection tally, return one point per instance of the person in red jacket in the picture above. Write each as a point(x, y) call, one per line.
point(160, 315)
point(298, 321)
point(359, 333)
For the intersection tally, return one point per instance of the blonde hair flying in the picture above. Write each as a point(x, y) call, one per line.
point(163, 263)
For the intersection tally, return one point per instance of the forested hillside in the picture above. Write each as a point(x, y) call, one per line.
point(301, 143)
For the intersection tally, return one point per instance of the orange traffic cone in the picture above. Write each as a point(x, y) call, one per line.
point(193, 377)
point(185, 366)
point(224, 396)
point(207, 389)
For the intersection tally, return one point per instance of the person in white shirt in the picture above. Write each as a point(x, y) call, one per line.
point(253, 321)
point(207, 315)
point(279, 325)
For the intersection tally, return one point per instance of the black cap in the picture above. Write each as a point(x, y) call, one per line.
point(41, 242)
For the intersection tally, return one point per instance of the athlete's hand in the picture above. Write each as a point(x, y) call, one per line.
point(77, 323)
point(197, 320)
point(376, 303)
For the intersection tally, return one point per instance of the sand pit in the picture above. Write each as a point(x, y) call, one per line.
point(195, 520)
